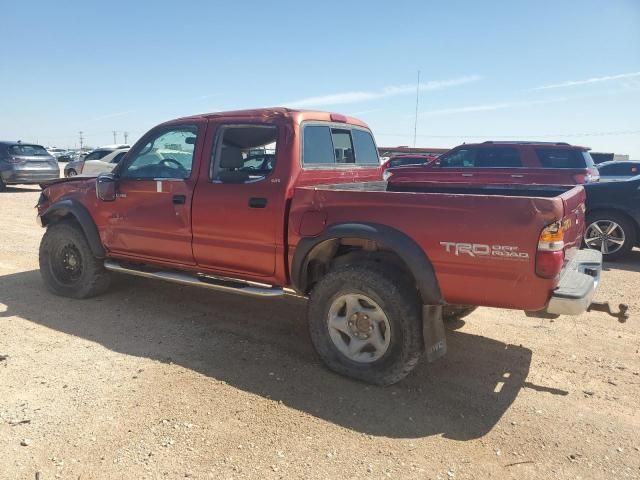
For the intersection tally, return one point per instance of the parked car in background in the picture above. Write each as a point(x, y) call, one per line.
point(405, 161)
point(618, 170)
point(26, 163)
point(105, 164)
point(67, 156)
point(76, 167)
point(613, 217)
point(56, 152)
point(506, 162)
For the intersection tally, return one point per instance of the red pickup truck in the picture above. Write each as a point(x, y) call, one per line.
point(275, 201)
point(528, 163)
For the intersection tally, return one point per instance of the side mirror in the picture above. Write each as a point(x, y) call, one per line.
point(106, 187)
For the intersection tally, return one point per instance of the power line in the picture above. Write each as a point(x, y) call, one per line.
point(547, 135)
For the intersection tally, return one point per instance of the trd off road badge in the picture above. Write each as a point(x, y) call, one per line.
point(507, 252)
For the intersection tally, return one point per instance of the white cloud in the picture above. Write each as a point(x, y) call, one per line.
point(390, 91)
point(573, 83)
point(493, 106)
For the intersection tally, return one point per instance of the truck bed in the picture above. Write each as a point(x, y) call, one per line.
point(439, 217)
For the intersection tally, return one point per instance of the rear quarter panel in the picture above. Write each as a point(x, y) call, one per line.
point(433, 220)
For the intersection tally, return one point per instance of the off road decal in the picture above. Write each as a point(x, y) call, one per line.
point(507, 252)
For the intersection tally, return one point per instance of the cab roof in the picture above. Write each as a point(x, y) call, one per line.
point(279, 112)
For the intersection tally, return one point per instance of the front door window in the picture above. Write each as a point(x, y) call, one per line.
point(167, 154)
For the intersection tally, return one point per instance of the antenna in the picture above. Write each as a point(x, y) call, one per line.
point(415, 124)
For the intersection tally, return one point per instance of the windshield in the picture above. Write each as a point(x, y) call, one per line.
point(28, 151)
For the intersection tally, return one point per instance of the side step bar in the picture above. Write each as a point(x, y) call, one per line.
point(231, 285)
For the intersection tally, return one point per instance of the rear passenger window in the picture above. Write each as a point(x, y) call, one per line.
point(561, 158)
point(244, 153)
point(366, 151)
point(465, 157)
point(498, 158)
point(318, 147)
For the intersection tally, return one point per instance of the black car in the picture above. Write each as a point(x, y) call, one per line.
point(613, 217)
point(618, 170)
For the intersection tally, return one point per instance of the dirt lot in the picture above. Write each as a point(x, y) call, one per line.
point(156, 380)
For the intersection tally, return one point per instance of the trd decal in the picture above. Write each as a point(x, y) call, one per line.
point(481, 250)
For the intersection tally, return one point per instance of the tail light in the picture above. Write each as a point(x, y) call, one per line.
point(14, 160)
point(550, 256)
point(592, 175)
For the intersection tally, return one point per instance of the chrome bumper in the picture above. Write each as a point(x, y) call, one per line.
point(578, 282)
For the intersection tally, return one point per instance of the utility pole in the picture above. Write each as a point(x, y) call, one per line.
point(126, 138)
point(114, 136)
point(415, 124)
point(81, 139)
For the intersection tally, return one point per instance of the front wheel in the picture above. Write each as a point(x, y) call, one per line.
point(611, 233)
point(67, 264)
point(71, 173)
point(365, 323)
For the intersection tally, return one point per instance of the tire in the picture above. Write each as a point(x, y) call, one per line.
point(389, 292)
point(67, 264)
point(71, 173)
point(3, 186)
point(451, 313)
point(619, 241)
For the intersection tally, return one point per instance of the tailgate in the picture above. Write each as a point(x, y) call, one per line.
point(574, 216)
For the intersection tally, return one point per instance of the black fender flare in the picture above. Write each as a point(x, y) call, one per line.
point(80, 213)
point(398, 242)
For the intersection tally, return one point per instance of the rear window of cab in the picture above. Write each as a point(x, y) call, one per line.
point(330, 144)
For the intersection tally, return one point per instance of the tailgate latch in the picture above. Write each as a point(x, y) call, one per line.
point(622, 315)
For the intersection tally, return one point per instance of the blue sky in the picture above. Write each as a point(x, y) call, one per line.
point(551, 70)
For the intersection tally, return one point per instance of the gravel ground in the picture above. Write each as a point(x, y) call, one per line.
point(155, 380)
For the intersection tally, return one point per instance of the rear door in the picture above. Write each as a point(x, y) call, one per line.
point(479, 164)
point(238, 208)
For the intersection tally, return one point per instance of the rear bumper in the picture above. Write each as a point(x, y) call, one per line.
point(29, 176)
point(578, 282)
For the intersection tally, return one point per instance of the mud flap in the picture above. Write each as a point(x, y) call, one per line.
point(433, 333)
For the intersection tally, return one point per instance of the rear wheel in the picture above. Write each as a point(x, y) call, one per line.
point(71, 173)
point(365, 323)
point(611, 233)
point(67, 264)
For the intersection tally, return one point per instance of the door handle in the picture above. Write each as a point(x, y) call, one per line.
point(467, 174)
point(179, 199)
point(517, 176)
point(257, 202)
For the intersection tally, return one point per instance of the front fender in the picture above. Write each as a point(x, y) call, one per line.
point(69, 207)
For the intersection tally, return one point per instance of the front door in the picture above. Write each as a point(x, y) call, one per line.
point(151, 216)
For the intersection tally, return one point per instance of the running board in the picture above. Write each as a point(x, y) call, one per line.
point(214, 283)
